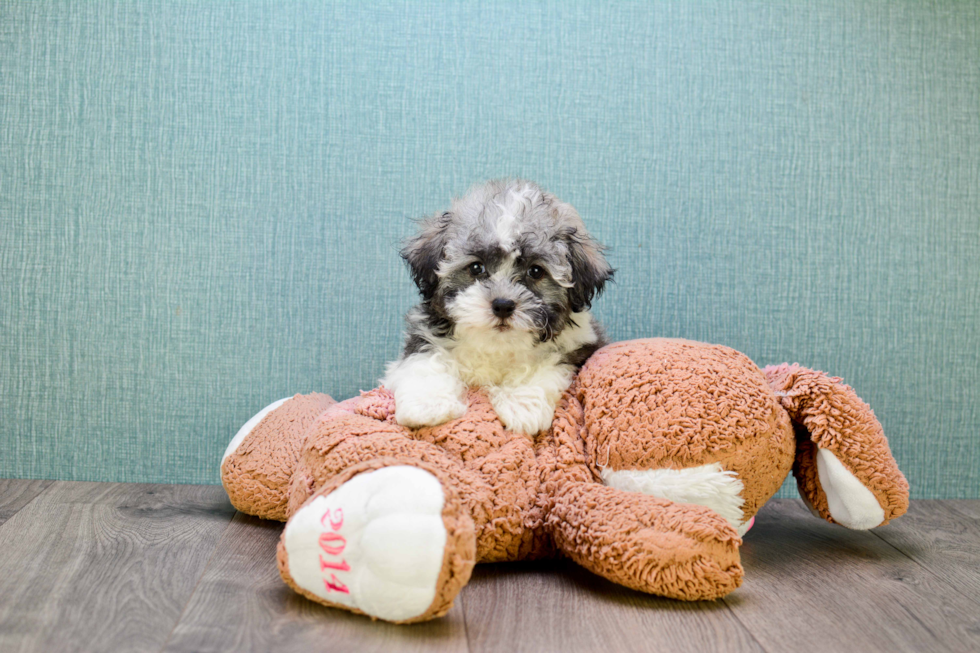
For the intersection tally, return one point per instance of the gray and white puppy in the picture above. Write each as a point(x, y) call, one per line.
point(507, 276)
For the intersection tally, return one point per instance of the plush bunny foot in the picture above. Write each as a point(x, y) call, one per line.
point(259, 461)
point(381, 543)
point(249, 426)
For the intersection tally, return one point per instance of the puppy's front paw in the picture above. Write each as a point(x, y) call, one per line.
point(525, 409)
point(417, 410)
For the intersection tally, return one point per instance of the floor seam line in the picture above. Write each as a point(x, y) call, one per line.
point(197, 583)
point(33, 499)
point(953, 507)
point(741, 623)
point(462, 608)
point(928, 570)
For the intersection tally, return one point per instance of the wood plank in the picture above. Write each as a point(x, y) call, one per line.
point(558, 606)
point(104, 566)
point(15, 493)
point(943, 537)
point(813, 586)
point(241, 604)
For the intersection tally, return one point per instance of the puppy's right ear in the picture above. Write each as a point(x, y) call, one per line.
point(424, 252)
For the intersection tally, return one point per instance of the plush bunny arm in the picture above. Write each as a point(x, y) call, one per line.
point(653, 545)
point(844, 469)
point(647, 543)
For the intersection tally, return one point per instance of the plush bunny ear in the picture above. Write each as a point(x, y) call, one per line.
point(844, 469)
point(424, 251)
point(590, 271)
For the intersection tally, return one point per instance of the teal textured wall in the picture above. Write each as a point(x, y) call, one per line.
point(201, 201)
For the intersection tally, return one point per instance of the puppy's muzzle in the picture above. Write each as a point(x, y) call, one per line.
point(503, 308)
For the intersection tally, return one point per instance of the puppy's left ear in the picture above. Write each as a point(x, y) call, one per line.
point(424, 252)
point(590, 271)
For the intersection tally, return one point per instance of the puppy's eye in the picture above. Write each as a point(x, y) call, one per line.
point(476, 269)
point(535, 272)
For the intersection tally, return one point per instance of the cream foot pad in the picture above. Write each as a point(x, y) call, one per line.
point(849, 502)
point(376, 543)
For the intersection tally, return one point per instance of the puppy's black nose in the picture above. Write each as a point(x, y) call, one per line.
point(503, 308)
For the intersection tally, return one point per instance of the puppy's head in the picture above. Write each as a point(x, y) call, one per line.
point(508, 256)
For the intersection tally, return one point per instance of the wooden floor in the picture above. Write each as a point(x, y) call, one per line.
point(114, 567)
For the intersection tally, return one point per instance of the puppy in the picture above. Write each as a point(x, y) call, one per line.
point(507, 276)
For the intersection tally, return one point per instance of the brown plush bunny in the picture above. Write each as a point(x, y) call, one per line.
point(660, 454)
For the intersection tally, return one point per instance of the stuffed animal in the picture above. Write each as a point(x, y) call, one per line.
point(660, 454)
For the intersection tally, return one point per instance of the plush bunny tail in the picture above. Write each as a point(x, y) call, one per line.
point(844, 469)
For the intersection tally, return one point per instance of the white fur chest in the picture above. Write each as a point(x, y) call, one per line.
point(492, 358)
